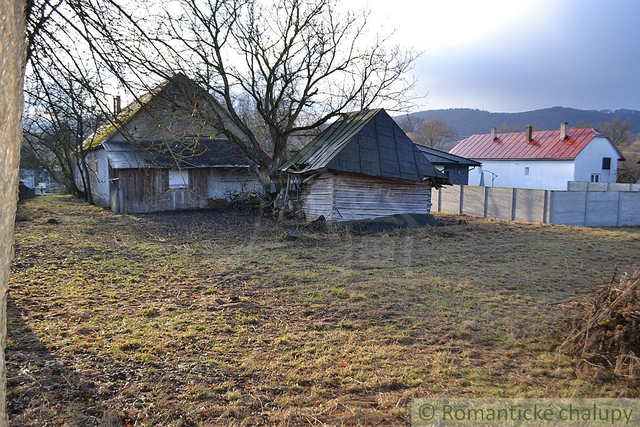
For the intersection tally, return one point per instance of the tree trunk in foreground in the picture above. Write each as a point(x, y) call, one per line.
point(12, 54)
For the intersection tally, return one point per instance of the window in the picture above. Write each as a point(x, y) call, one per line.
point(526, 170)
point(178, 179)
point(595, 177)
point(606, 163)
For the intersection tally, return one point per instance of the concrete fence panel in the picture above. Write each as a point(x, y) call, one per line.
point(473, 202)
point(602, 209)
point(449, 200)
point(568, 207)
point(531, 205)
point(629, 209)
point(499, 203)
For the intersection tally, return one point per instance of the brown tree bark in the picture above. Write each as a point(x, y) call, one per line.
point(12, 56)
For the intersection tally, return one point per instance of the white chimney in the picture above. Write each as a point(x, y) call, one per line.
point(494, 133)
point(529, 132)
point(116, 105)
point(563, 130)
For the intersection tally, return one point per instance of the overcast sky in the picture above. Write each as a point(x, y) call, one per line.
point(519, 55)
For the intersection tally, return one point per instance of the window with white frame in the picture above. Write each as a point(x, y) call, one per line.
point(595, 177)
point(526, 170)
point(178, 178)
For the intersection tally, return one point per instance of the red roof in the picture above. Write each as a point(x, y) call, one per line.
point(545, 144)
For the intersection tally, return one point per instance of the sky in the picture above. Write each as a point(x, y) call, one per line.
point(519, 55)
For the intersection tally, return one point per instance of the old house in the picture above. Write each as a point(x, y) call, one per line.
point(545, 160)
point(363, 166)
point(455, 168)
point(161, 153)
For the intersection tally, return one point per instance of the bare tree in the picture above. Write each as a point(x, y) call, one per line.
point(435, 133)
point(59, 116)
point(12, 54)
point(505, 128)
point(619, 131)
point(295, 65)
point(411, 123)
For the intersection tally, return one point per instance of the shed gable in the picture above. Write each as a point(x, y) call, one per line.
point(369, 143)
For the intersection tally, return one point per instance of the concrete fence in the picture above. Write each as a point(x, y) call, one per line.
point(584, 208)
point(601, 186)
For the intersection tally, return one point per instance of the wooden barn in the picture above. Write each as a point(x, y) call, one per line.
point(160, 153)
point(363, 166)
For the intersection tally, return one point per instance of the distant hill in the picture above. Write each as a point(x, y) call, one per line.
point(468, 121)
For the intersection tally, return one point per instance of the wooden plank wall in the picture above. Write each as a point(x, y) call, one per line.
point(343, 197)
point(147, 190)
point(317, 197)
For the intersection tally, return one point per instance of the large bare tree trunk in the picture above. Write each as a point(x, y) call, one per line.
point(12, 54)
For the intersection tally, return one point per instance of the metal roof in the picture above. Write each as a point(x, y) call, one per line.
point(186, 154)
point(514, 145)
point(438, 157)
point(368, 142)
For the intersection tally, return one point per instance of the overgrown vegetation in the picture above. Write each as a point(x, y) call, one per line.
point(211, 318)
point(606, 336)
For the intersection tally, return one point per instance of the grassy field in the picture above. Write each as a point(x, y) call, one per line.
point(211, 318)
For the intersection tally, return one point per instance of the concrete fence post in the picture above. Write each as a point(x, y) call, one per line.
point(619, 209)
point(548, 197)
point(586, 206)
point(461, 199)
point(486, 202)
point(514, 199)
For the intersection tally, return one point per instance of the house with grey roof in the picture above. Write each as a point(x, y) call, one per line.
point(455, 168)
point(363, 166)
point(162, 153)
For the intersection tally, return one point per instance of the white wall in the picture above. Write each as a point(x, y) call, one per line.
point(543, 174)
point(589, 161)
point(98, 165)
point(223, 184)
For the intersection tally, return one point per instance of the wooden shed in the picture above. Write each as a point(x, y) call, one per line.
point(363, 166)
point(162, 153)
point(455, 168)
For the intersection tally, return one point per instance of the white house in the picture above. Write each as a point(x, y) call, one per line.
point(545, 160)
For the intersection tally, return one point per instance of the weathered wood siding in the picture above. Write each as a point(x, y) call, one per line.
point(147, 190)
point(343, 197)
point(317, 197)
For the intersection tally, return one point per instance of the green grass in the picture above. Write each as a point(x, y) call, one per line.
point(201, 318)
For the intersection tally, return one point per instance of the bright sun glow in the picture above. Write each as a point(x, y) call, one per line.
point(432, 25)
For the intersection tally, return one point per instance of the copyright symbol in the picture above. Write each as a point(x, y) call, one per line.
point(427, 412)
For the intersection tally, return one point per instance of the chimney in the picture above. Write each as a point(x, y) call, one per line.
point(529, 132)
point(563, 130)
point(116, 105)
point(494, 133)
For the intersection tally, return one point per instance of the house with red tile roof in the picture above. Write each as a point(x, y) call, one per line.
point(545, 160)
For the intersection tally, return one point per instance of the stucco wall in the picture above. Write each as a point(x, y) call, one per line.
point(223, 184)
point(589, 161)
point(543, 174)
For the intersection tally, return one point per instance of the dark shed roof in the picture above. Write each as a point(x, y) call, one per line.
point(438, 157)
point(189, 153)
point(367, 142)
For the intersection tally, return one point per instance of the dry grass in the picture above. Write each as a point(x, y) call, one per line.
point(209, 318)
point(606, 335)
